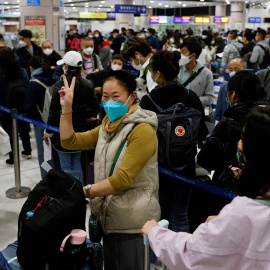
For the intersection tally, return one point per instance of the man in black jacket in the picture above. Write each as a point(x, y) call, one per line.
point(249, 45)
point(27, 49)
point(117, 42)
point(50, 56)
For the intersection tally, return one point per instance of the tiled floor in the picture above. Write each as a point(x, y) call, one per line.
point(10, 208)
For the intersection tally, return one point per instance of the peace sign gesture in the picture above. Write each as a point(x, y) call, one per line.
point(66, 94)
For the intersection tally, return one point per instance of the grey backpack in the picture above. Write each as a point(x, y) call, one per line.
point(47, 100)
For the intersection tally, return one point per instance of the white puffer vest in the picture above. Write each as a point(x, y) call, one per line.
point(127, 211)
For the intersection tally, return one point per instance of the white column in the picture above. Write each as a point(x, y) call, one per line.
point(123, 19)
point(220, 10)
point(238, 15)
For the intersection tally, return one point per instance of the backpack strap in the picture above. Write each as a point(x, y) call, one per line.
point(39, 82)
point(265, 50)
point(157, 106)
point(192, 77)
point(119, 151)
point(95, 60)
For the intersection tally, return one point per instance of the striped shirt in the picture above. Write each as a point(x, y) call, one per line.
point(88, 65)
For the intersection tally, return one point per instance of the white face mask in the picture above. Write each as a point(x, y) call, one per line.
point(116, 67)
point(171, 40)
point(64, 70)
point(204, 37)
point(91, 36)
point(232, 73)
point(137, 67)
point(96, 35)
point(142, 35)
point(48, 51)
point(147, 34)
point(22, 43)
point(184, 60)
point(88, 51)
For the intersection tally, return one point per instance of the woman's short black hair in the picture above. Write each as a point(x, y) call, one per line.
point(167, 63)
point(247, 86)
point(255, 179)
point(36, 62)
point(124, 78)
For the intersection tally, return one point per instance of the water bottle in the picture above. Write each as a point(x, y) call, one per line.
point(74, 248)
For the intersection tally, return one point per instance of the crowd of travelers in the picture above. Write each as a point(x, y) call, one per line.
point(109, 98)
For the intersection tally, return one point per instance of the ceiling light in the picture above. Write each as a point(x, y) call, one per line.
point(201, 0)
point(5, 3)
point(133, 3)
point(112, 6)
point(166, 6)
point(102, 2)
point(100, 5)
point(69, 0)
point(18, 1)
point(7, 7)
point(179, 2)
point(184, 5)
point(160, 4)
point(150, 7)
point(109, 9)
point(71, 5)
point(98, 8)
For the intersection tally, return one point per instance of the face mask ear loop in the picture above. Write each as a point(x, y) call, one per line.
point(126, 101)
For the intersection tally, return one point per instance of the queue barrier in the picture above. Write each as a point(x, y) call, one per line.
point(182, 178)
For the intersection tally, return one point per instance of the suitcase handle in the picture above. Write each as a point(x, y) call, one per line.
point(163, 223)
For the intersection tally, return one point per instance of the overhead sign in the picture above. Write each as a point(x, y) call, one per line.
point(254, 20)
point(133, 9)
point(221, 19)
point(61, 3)
point(159, 19)
point(93, 15)
point(202, 19)
point(183, 19)
point(33, 2)
point(111, 15)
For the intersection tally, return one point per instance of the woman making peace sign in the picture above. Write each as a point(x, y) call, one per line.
point(131, 187)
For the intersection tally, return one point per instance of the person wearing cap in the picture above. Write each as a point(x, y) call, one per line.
point(50, 56)
point(91, 62)
point(85, 105)
point(117, 41)
point(131, 189)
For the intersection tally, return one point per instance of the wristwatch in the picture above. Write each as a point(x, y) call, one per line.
point(87, 189)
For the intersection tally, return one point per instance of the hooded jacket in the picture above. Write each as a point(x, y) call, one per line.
point(231, 51)
point(128, 210)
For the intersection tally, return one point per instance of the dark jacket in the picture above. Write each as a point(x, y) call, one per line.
point(219, 152)
point(116, 44)
point(153, 42)
point(12, 93)
point(264, 77)
point(167, 95)
point(85, 105)
point(247, 48)
point(24, 56)
point(35, 96)
point(52, 59)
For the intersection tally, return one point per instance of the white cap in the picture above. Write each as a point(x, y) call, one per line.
point(71, 58)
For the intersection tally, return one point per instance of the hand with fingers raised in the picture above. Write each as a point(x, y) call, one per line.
point(66, 96)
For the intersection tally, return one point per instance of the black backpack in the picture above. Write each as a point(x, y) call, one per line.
point(58, 203)
point(266, 58)
point(177, 133)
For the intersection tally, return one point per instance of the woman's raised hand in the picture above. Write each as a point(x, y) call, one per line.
point(66, 95)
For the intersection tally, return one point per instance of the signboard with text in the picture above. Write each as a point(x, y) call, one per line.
point(93, 15)
point(199, 19)
point(33, 2)
point(221, 19)
point(132, 9)
point(38, 27)
point(159, 19)
point(183, 19)
point(254, 20)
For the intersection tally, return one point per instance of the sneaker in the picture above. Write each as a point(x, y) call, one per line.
point(26, 155)
point(9, 161)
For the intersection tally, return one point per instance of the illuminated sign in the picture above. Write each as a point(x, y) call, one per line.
point(202, 19)
point(221, 19)
point(183, 19)
point(254, 20)
point(158, 19)
point(93, 15)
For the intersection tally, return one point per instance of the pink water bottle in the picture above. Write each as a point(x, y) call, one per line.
point(74, 248)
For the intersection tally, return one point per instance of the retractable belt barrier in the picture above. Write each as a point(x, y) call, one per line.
point(182, 178)
point(4, 262)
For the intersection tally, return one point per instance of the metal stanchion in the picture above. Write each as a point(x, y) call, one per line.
point(18, 191)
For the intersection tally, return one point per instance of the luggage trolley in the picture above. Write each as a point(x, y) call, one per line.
point(163, 223)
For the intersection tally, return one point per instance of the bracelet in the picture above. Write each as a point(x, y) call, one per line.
point(66, 113)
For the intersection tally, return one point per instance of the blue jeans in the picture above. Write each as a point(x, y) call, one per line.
point(71, 162)
point(174, 198)
point(40, 150)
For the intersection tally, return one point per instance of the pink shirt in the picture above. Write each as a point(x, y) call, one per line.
point(88, 65)
point(238, 239)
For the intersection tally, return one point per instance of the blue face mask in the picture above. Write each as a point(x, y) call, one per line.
point(212, 42)
point(115, 109)
point(155, 80)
